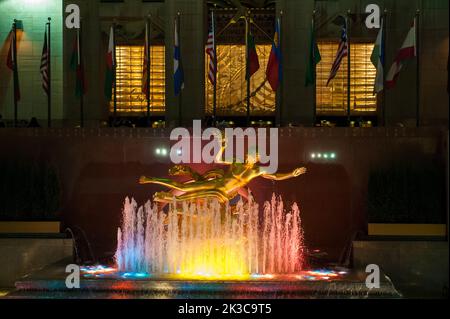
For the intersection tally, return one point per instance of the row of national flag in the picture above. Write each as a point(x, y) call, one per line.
point(12, 64)
point(45, 67)
point(77, 65)
point(274, 66)
point(407, 51)
point(273, 71)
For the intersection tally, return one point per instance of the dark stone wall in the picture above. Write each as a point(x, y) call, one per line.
point(98, 168)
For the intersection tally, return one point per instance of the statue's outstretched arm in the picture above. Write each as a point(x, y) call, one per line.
point(282, 177)
point(163, 182)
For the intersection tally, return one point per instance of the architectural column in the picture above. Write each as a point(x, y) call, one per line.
point(297, 100)
point(192, 38)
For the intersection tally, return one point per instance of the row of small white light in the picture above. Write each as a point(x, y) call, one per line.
point(325, 156)
point(161, 151)
point(164, 152)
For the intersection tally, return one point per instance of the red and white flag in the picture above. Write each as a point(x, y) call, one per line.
point(407, 51)
point(211, 51)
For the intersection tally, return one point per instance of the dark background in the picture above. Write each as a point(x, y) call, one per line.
point(97, 169)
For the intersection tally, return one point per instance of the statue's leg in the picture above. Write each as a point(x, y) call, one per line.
point(166, 198)
point(196, 186)
point(163, 197)
point(215, 173)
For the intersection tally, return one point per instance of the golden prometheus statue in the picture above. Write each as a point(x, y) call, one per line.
point(223, 185)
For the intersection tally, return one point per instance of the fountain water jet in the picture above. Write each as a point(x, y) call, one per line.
point(205, 239)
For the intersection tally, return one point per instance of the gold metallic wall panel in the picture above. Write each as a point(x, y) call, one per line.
point(333, 99)
point(232, 86)
point(129, 80)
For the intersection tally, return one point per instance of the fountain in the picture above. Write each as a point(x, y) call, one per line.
point(209, 240)
point(206, 249)
point(191, 242)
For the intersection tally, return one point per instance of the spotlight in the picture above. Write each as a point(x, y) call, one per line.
point(319, 155)
point(164, 152)
point(325, 155)
point(313, 155)
point(19, 25)
point(158, 151)
point(179, 152)
point(333, 155)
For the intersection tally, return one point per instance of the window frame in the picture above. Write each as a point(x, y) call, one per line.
point(353, 41)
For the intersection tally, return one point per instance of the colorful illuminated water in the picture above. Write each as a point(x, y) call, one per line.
point(205, 240)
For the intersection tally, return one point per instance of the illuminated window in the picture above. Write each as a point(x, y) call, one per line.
point(232, 87)
point(333, 99)
point(130, 61)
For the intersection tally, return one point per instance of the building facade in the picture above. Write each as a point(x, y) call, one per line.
point(424, 79)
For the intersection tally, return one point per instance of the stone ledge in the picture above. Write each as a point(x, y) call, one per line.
point(417, 268)
point(312, 132)
point(22, 256)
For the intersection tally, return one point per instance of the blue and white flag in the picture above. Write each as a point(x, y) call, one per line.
point(178, 75)
point(377, 59)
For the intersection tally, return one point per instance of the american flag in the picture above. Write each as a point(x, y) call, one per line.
point(45, 66)
point(211, 51)
point(341, 53)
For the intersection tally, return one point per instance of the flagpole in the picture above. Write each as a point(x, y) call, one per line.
point(49, 67)
point(247, 70)
point(348, 67)
point(80, 65)
point(383, 63)
point(180, 101)
point(213, 23)
point(281, 91)
point(14, 45)
point(313, 22)
point(114, 72)
point(148, 53)
point(416, 22)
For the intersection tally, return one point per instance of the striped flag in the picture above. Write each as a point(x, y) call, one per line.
point(341, 53)
point(178, 74)
point(11, 63)
point(45, 65)
point(407, 51)
point(211, 52)
point(145, 70)
point(377, 59)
